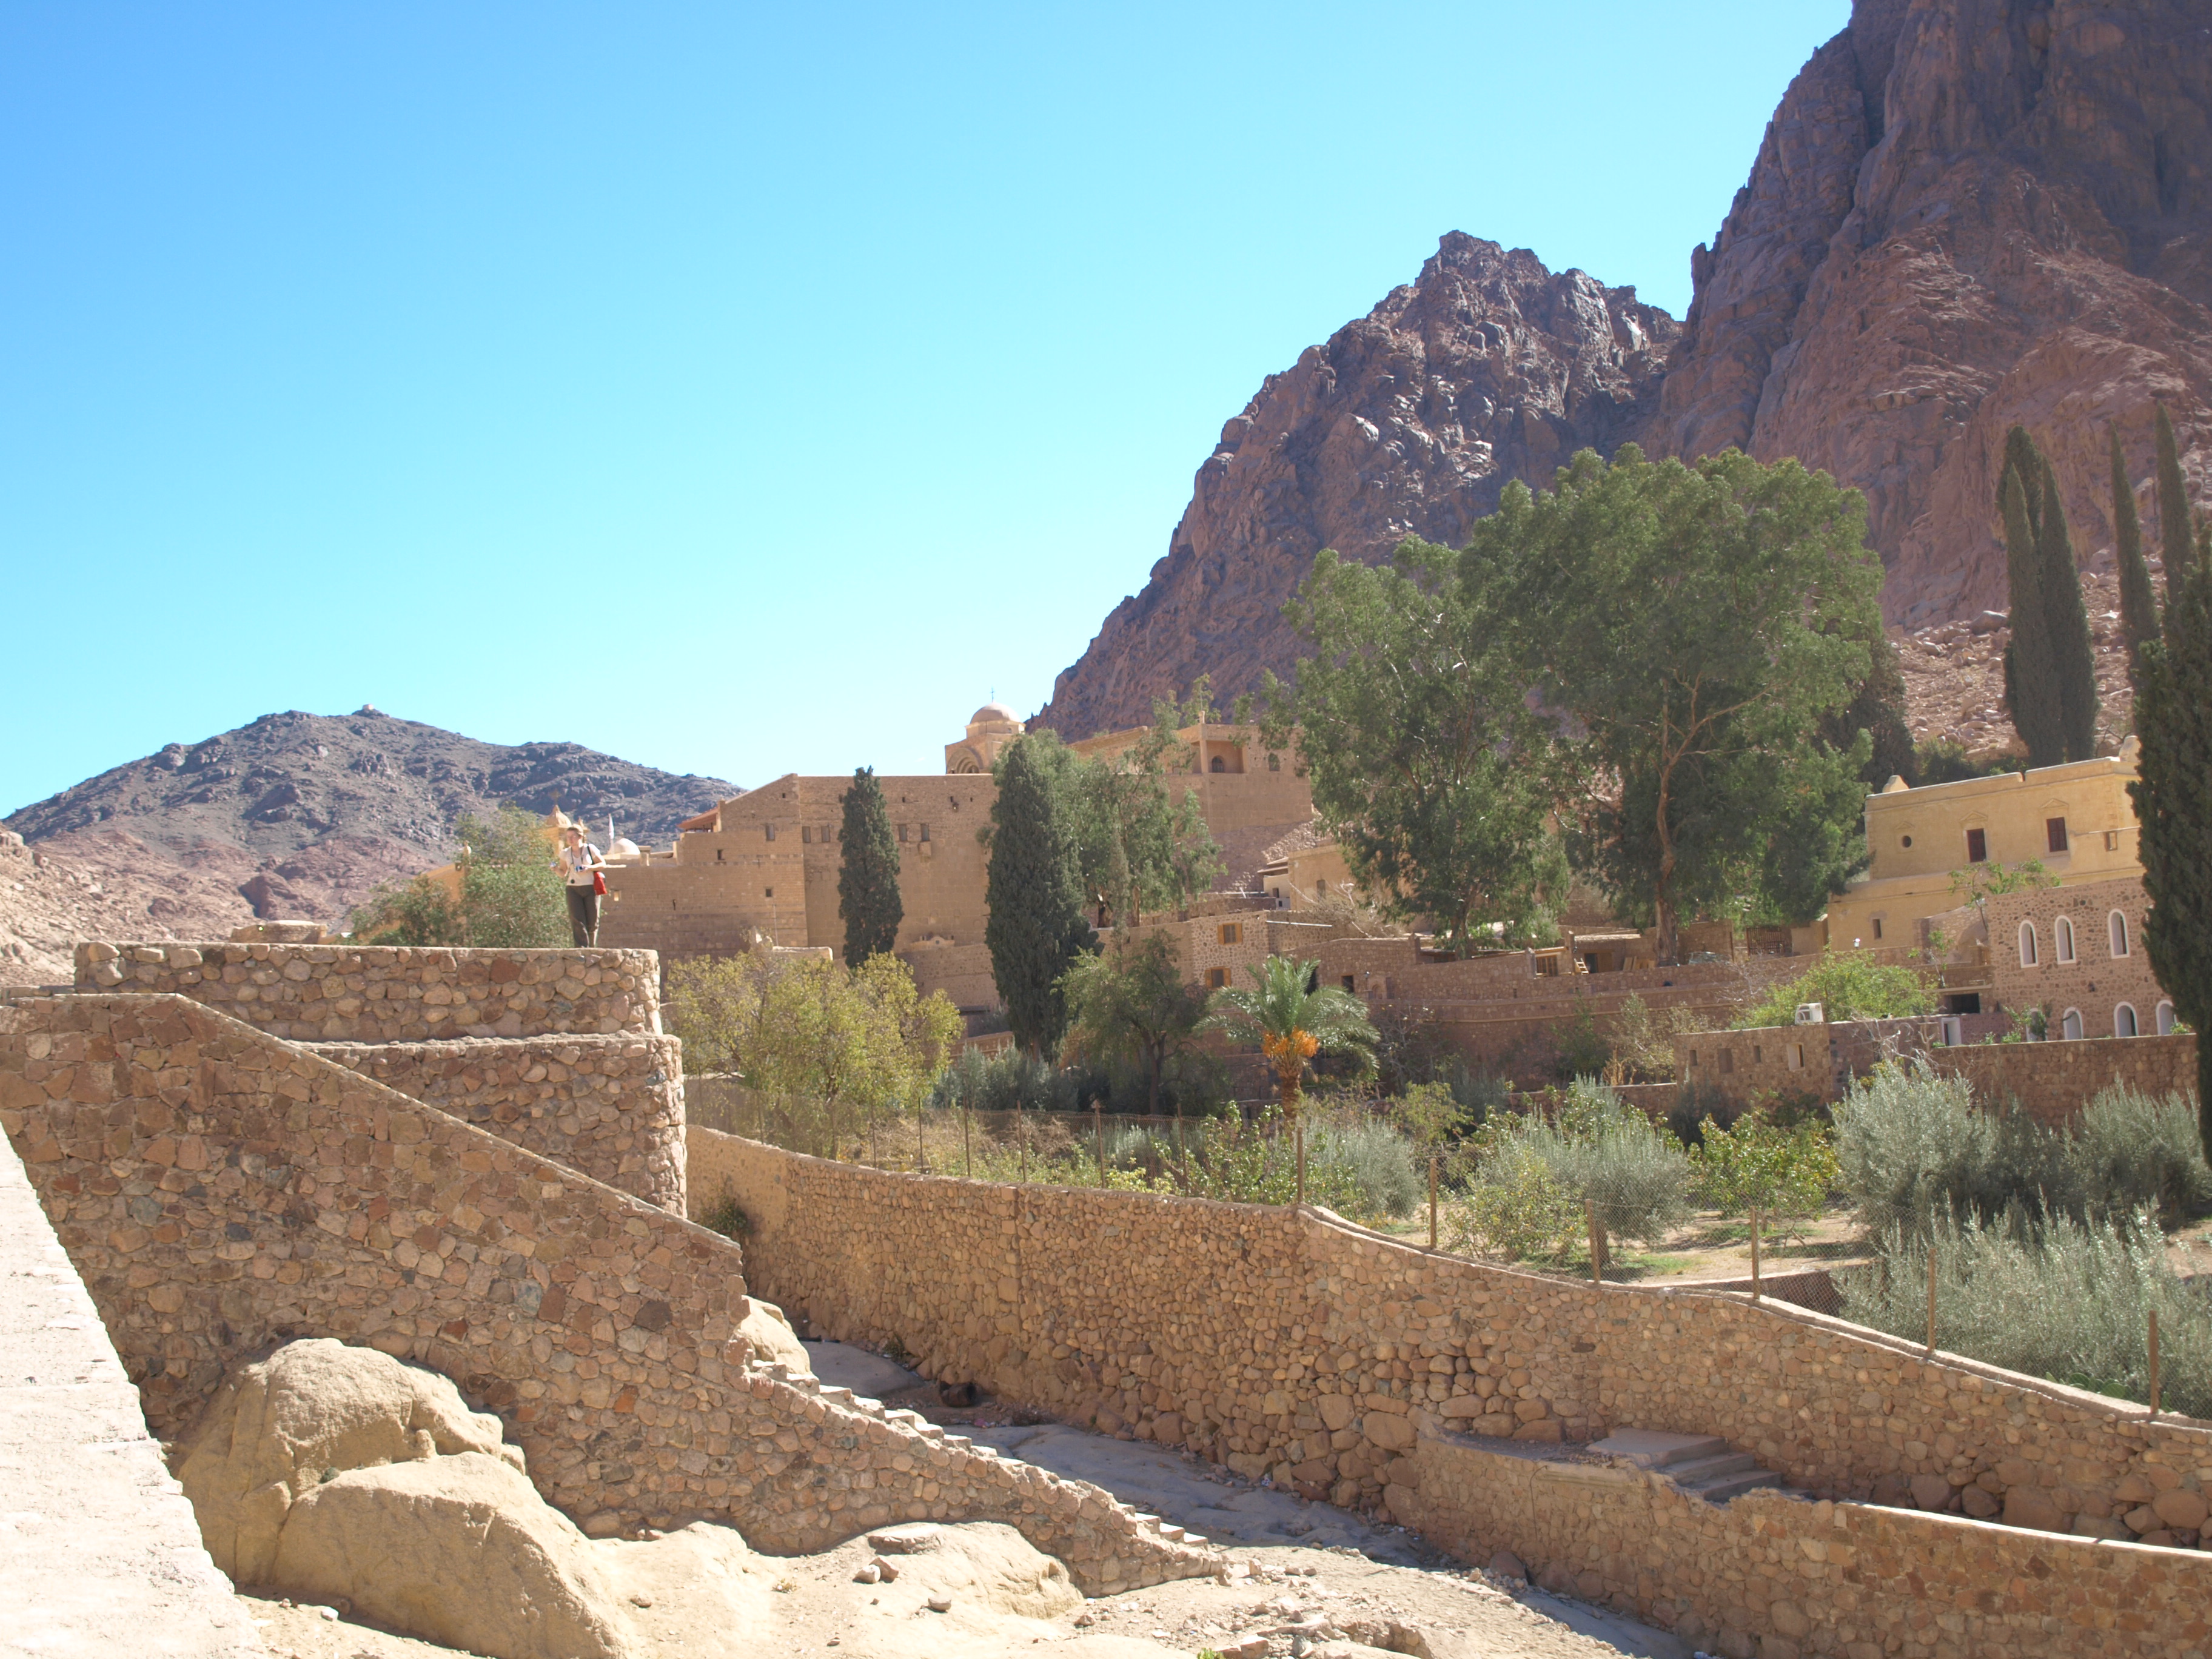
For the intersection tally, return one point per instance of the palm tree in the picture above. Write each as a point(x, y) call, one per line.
point(1292, 1019)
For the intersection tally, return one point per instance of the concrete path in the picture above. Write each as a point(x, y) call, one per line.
point(99, 1553)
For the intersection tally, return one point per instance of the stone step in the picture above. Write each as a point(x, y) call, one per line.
point(1700, 1464)
point(1734, 1485)
point(1699, 1471)
point(1648, 1449)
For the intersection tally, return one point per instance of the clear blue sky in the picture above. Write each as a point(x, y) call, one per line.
point(735, 389)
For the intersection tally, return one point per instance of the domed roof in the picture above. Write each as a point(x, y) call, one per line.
point(993, 714)
point(624, 848)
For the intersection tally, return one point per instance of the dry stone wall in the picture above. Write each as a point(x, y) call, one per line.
point(1292, 1343)
point(219, 1191)
point(2053, 1081)
point(612, 1107)
point(1775, 1574)
point(392, 993)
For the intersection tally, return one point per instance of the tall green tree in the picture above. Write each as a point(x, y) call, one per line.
point(1036, 928)
point(1695, 627)
point(2176, 532)
point(2138, 598)
point(868, 875)
point(2073, 651)
point(2031, 678)
point(506, 896)
point(1132, 1003)
point(1411, 713)
point(2172, 794)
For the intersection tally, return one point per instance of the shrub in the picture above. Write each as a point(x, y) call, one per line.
point(1375, 1158)
point(1697, 1104)
point(1593, 1150)
point(1847, 987)
point(1785, 1173)
point(723, 1216)
point(2132, 1152)
point(2064, 1299)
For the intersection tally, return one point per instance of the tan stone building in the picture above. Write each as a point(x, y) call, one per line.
point(2076, 953)
point(766, 863)
point(2077, 820)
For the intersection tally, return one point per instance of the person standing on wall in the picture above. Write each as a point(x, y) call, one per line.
point(578, 864)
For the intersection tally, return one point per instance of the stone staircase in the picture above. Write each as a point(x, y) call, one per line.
point(1699, 1464)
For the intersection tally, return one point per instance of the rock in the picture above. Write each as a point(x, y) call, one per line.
point(2181, 1509)
point(1251, 1645)
point(2030, 1506)
point(771, 1339)
point(940, 1604)
point(457, 1550)
point(278, 1428)
point(1991, 622)
point(985, 1564)
point(1486, 368)
point(1978, 1502)
point(1931, 1491)
point(1506, 1565)
point(869, 1573)
point(1945, 161)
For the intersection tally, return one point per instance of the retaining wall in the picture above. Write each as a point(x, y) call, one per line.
point(2053, 1081)
point(392, 993)
point(612, 1107)
point(1292, 1343)
point(1775, 1574)
point(219, 1191)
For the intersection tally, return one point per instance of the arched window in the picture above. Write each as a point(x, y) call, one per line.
point(1217, 764)
point(2062, 935)
point(1274, 762)
point(2027, 945)
point(2123, 1020)
point(2070, 1025)
point(2165, 1019)
point(2117, 925)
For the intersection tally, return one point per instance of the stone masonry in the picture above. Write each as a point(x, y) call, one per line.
point(219, 1191)
point(1291, 1343)
point(612, 1107)
point(392, 993)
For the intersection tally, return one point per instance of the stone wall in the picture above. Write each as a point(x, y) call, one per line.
point(612, 1107)
point(1774, 1574)
point(392, 993)
point(219, 1191)
point(2053, 1081)
point(1288, 1343)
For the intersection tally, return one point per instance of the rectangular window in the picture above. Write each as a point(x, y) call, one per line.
point(1796, 1056)
point(1232, 933)
point(1728, 1060)
point(2054, 831)
point(924, 832)
point(901, 832)
point(769, 892)
point(1978, 846)
point(771, 830)
point(2111, 841)
point(806, 834)
point(1217, 979)
point(1347, 983)
point(1877, 926)
point(1758, 1054)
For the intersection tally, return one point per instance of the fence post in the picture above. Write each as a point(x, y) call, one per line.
point(1299, 1130)
point(2154, 1362)
point(1098, 1137)
point(1433, 1200)
point(1758, 1283)
point(1931, 1298)
point(1596, 1243)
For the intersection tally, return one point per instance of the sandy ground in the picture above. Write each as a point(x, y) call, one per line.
point(1301, 1574)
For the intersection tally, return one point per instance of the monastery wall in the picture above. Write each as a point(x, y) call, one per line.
point(391, 993)
point(612, 1107)
point(1352, 1366)
point(219, 1191)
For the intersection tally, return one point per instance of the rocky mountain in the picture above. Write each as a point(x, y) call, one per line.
point(1407, 422)
point(299, 814)
point(1965, 212)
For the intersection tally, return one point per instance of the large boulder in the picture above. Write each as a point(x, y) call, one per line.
point(281, 1426)
point(984, 1565)
point(770, 1335)
point(457, 1550)
point(327, 1472)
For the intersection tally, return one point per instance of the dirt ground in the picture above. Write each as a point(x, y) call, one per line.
point(1708, 1248)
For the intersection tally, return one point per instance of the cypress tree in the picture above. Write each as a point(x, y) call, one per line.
point(2031, 682)
point(2174, 529)
point(2138, 599)
point(2173, 794)
point(867, 878)
point(2066, 626)
point(1036, 928)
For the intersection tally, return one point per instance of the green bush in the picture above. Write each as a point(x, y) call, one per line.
point(2064, 1299)
point(1847, 987)
point(1786, 1174)
point(1375, 1158)
point(1912, 1146)
point(1534, 1175)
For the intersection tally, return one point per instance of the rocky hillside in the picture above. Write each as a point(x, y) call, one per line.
point(1407, 422)
point(1965, 212)
point(295, 815)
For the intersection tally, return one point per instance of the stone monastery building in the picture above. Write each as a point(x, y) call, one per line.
point(767, 862)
